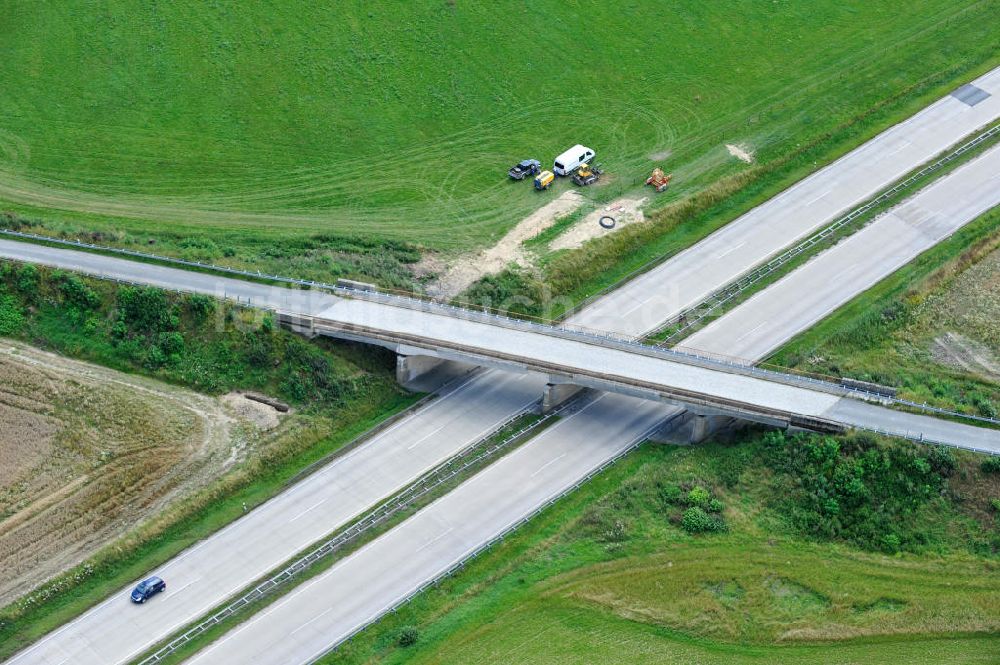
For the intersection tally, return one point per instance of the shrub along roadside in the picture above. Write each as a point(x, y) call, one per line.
point(186, 339)
point(339, 390)
point(322, 257)
point(856, 488)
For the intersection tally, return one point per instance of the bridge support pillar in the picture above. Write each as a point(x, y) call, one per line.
point(556, 394)
point(426, 374)
point(692, 428)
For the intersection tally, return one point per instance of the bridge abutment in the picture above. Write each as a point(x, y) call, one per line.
point(303, 325)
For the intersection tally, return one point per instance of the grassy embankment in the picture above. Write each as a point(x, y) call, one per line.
point(231, 134)
point(338, 390)
point(897, 333)
point(824, 550)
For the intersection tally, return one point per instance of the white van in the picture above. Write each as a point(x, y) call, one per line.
point(568, 162)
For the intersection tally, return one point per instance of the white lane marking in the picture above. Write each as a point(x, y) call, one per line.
point(751, 331)
point(730, 250)
point(843, 272)
point(547, 464)
point(819, 197)
point(174, 592)
point(426, 436)
point(906, 144)
point(315, 618)
point(642, 303)
point(315, 505)
point(434, 540)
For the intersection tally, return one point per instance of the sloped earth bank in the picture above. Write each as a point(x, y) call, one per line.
point(87, 452)
point(959, 351)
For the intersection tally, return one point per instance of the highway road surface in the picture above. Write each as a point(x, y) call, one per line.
point(688, 278)
point(804, 296)
point(603, 364)
point(366, 584)
point(208, 573)
point(74, 643)
point(174, 279)
point(593, 364)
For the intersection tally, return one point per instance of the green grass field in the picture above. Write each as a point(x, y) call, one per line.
point(397, 120)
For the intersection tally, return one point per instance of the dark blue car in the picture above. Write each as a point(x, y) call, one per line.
point(146, 589)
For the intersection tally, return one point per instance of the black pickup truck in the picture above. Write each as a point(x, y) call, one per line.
point(523, 169)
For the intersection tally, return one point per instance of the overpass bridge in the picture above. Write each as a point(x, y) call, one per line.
point(425, 333)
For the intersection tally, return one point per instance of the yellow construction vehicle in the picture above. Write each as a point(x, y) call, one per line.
point(587, 174)
point(544, 180)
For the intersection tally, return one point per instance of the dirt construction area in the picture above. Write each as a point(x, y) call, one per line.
point(621, 212)
point(87, 452)
point(460, 273)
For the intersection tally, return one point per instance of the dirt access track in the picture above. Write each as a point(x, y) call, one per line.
point(464, 272)
point(86, 453)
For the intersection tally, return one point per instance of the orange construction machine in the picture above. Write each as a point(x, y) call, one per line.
point(659, 180)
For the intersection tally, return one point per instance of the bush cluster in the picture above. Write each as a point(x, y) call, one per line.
point(990, 465)
point(693, 507)
point(11, 315)
point(513, 291)
point(696, 520)
point(408, 636)
point(147, 326)
point(859, 489)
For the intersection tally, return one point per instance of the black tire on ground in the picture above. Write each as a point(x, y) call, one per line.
point(607, 222)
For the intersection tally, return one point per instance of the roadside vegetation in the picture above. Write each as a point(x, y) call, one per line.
point(299, 167)
point(930, 329)
point(337, 392)
point(192, 340)
point(821, 549)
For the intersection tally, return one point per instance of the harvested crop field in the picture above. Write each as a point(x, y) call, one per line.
point(86, 453)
